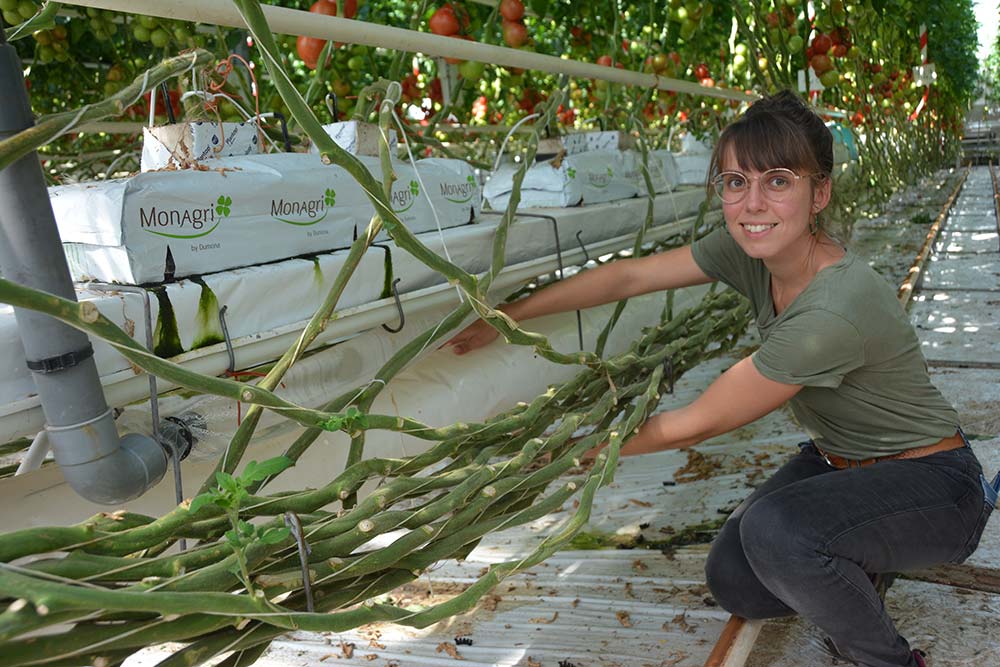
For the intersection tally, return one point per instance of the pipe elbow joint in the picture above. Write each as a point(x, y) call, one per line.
point(103, 468)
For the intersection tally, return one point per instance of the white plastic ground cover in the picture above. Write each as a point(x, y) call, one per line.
point(947, 271)
point(952, 241)
point(180, 144)
point(263, 298)
point(242, 211)
point(958, 326)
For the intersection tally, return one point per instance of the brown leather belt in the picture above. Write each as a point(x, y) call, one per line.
point(947, 444)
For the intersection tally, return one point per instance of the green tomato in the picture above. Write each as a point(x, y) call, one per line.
point(472, 70)
point(46, 54)
point(830, 78)
point(27, 9)
point(12, 17)
point(9, 5)
point(739, 62)
point(160, 38)
point(147, 21)
point(795, 44)
point(140, 33)
point(356, 63)
point(182, 35)
point(741, 49)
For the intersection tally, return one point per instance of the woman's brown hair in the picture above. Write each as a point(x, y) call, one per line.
point(777, 131)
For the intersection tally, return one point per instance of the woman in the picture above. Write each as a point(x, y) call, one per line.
point(887, 482)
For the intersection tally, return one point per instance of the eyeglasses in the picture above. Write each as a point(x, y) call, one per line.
point(775, 185)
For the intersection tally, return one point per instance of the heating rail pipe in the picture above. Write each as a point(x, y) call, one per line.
point(297, 22)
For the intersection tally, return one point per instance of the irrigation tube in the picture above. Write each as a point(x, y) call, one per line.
point(297, 22)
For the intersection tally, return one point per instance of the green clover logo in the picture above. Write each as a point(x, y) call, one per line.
point(471, 179)
point(571, 172)
point(222, 205)
point(414, 188)
point(610, 173)
point(329, 197)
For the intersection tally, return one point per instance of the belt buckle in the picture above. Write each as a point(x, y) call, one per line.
point(826, 458)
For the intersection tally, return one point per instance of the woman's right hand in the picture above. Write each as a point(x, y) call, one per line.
point(472, 337)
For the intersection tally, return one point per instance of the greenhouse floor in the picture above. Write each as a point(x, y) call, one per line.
point(645, 603)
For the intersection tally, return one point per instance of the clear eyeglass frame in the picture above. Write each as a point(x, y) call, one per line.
point(775, 184)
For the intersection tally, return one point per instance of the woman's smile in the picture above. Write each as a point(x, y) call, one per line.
point(759, 229)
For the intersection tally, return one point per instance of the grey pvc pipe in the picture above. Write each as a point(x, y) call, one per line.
point(97, 464)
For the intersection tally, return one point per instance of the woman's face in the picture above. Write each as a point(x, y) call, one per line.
point(773, 217)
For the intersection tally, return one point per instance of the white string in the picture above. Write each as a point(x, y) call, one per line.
point(503, 145)
point(427, 195)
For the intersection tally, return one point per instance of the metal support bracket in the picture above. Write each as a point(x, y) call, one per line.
point(295, 526)
point(399, 309)
point(559, 257)
point(229, 343)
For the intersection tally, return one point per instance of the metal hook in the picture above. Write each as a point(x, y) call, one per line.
point(295, 527)
point(331, 106)
point(284, 130)
point(225, 336)
point(559, 259)
point(166, 103)
point(586, 255)
point(399, 308)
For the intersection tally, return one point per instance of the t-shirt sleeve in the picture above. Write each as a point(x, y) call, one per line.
point(721, 258)
point(816, 348)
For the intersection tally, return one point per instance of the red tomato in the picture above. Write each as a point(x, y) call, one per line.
point(821, 43)
point(329, 7)
point(512, 10)
point(701, 71)
point(309, 49)
point(840, 50)
point(821, 63)
point(604, 60)
point(443, 21)
point(514, 33)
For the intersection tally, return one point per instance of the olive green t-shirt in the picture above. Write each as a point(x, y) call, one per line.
point(847, 340)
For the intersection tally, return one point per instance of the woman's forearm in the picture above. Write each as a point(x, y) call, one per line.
point(667, 430)
point(595, 287)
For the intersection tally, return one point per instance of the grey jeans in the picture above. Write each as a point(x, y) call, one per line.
point(806, 541)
